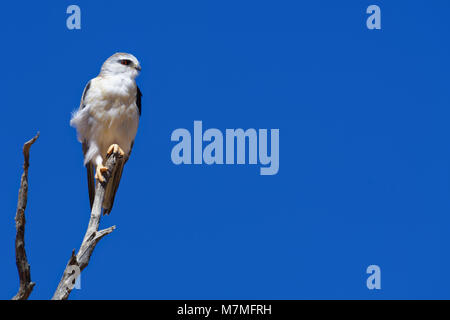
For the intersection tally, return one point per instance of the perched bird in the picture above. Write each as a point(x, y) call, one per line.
point(107, 120)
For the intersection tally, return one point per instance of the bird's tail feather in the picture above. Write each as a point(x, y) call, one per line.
point(111, 188)
point(90, 175)
point(91, 182)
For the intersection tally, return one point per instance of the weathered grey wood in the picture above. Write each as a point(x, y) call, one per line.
point(92, 236)
point(26, 286)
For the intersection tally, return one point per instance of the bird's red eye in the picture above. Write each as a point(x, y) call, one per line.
point(125, 62)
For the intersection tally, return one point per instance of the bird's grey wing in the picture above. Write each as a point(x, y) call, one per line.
point(89, 167)
point(90, 176)
point(114, 181)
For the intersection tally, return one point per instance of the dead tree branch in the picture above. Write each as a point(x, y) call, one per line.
point(80, 261)
point(26, 286)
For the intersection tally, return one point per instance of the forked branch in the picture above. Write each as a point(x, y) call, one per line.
point(80, 261)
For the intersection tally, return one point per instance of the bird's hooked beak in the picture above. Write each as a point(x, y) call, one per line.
point(138, 68)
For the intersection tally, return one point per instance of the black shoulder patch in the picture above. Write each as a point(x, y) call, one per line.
point(84, 94)
point(138, 99)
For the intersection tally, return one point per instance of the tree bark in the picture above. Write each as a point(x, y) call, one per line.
point(23, 267)
point(80, 261)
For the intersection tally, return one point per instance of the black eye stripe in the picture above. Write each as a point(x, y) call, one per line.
point(125, 62)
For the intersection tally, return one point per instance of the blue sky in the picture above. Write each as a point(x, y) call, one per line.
point(364, 155)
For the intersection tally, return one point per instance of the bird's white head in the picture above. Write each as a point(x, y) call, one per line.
point(124, 64)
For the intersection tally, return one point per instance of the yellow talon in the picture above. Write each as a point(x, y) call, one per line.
point(114, 148)
point(99, 172)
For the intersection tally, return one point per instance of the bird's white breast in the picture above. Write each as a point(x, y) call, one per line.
point(110, 114)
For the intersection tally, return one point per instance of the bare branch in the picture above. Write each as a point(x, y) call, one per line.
point(26, 286)
point(92, 236)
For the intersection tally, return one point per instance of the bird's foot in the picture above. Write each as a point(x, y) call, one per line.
point(99, 172)
point(114, 148)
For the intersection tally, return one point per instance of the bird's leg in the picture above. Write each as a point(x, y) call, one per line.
point(114, 148)
point(99, 170)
